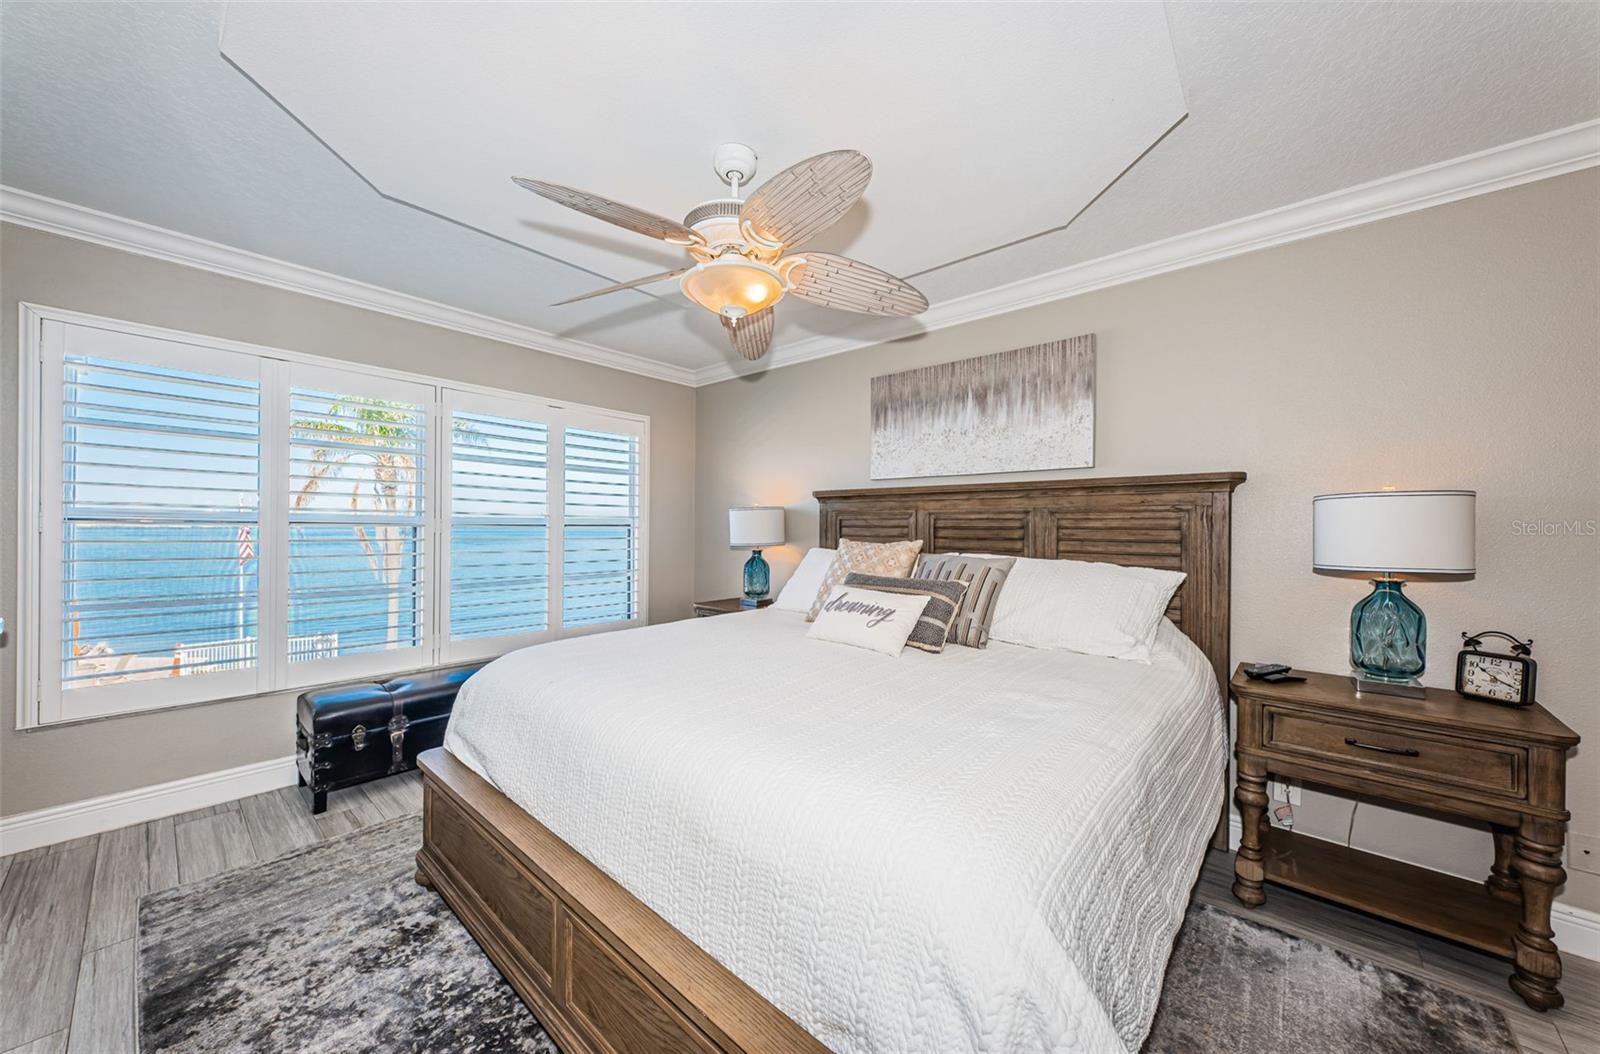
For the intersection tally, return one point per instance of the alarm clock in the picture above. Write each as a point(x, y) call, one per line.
point(1496, 677)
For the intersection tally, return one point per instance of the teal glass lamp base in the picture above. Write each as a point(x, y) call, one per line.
point(757, 580)
point(1388, 641)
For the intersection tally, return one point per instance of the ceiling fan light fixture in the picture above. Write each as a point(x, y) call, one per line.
point(733, 286)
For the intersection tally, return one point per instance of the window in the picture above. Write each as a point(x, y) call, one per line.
point(358, 538)
point(153, 478)
point(500, 525)
point(206, 520)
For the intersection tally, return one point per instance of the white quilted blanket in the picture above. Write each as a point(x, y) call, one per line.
point(979, 850)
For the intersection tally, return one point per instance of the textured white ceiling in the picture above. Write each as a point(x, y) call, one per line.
point(134, 110)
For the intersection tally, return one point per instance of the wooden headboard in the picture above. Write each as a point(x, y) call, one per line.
point(1179, 522)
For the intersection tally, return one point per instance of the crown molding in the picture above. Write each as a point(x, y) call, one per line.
point(1541, 157)
point(1513, 164)
point(28, 209)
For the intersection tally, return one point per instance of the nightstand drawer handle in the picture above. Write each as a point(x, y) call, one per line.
point(1405, 752)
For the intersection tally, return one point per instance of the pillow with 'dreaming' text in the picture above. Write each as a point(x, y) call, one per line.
point(867, 618)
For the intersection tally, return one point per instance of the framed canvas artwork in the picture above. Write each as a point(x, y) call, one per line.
point(1013, 411)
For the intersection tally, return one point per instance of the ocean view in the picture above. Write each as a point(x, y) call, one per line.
point(156, 593)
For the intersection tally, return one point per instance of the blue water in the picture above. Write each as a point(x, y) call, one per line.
point(147, 589)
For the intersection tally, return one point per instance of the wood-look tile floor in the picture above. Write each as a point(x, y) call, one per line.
point(68, 924)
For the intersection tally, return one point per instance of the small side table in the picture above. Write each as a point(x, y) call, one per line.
point(707, 608)
point(1443, 753)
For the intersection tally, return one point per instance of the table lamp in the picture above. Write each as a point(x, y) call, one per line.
point(1390, 533)
point(755, 527)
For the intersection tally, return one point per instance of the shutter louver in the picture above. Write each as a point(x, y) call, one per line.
point(600, 543)
point(160, 474)
point(499, 526)
point(357, 546)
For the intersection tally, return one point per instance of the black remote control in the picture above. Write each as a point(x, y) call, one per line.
point(1257, 670)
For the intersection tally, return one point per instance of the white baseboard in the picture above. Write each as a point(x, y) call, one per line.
point(60, 823)
point(1577, 929)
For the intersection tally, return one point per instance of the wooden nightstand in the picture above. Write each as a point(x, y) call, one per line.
point(707, 608)
point(1443, 753)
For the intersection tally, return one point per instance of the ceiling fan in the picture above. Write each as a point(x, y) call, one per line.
point(746, 252)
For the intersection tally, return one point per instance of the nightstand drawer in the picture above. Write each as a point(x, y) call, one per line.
point(1414, 755)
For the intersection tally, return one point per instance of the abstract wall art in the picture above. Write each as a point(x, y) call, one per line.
point(1014, 411)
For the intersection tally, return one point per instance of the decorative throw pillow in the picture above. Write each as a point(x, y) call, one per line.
point(800, 592)
point(944, 600)
point(1097, 609)
point(984, 576)
point(866, 618)
point(890, 559)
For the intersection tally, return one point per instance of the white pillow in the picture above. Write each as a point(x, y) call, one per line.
point(800, 592)
point(1096, 609)
point(867, 618)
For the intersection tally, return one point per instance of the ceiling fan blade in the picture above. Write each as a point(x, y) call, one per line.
point(850, 285)
point(807, 198)
point(750, 335)
point(625, 216)
point(646, 280)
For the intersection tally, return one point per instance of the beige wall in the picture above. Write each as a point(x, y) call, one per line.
point(54, 765)
point(1454, 347)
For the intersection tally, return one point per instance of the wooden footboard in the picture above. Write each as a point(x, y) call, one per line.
point(602, 972)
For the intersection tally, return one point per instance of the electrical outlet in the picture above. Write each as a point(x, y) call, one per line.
point(1284, 790)
point(1583, 853)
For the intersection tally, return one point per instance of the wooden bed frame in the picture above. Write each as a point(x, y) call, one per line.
point(604, 973)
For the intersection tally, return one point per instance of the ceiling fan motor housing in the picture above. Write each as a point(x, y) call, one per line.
point(717, 221)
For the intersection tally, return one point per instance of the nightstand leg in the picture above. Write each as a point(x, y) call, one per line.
point(1537, 865)
point(1501, 882)
point(1248, 868)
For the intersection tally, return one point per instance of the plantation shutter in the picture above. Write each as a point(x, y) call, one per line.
point(358, 545)
point(498, 493)
point(600, 547)
point(153, 477)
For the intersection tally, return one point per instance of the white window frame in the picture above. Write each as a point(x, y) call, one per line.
point(39, 521)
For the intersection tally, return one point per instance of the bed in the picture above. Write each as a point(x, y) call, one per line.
point(716, 835)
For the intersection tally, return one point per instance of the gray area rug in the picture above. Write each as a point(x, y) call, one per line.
point(335, 950)
point(1233, 986)
point(332, 949)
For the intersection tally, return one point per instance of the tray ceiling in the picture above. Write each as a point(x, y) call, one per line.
point(985, 124)
point(374, 142)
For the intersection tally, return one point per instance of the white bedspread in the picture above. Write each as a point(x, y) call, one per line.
point(979, 850)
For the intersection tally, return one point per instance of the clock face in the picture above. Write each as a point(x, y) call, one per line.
point(1493, 677)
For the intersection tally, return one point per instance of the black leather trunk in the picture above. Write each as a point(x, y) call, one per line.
point(350, 733)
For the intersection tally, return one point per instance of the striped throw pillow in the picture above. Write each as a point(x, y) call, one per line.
point(984, 576)
point(944, 600)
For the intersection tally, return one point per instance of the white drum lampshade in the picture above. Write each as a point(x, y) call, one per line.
point(755, 527)
point(1429, 532)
